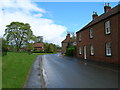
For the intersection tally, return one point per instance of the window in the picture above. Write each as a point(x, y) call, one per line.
point(91, 50)
point(80, 50)
point(91, 33)
point(80, 39)
point(108, 49)
point(107, 27)
point(74, 43)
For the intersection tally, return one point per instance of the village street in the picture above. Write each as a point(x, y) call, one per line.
point(67, 72)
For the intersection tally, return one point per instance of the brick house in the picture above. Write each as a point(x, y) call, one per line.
point(99, 40)
point(38, 46)
point(68, 41)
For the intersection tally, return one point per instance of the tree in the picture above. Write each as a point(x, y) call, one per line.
point(39, 39)
point(46, 47)
point(18, 34)
point(4, 45)
point(49, 47)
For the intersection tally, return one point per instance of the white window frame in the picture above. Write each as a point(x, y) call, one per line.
point(108, 49)
point(91, 33)
point(107, 27)
point(80, 38)
point(92, 50)
point(74, 43)
point(80, 50)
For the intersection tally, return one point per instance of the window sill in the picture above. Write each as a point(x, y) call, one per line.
point(107, 33)
point(108, 55)
point(91, 38)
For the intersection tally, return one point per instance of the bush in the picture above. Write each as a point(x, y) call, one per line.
point(70, 51)
point(38, 52)
point(42, 52)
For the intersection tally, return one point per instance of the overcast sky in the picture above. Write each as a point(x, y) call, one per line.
point(52, 20)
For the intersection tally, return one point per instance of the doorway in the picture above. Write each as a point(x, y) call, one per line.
point(85, 53)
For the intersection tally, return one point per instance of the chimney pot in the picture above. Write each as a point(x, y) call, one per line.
point(107, 7)
point(95, 15)
point(68, 35)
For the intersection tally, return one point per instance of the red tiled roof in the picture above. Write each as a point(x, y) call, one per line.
point(68, 40)
point(111, 12)
point(38, 45)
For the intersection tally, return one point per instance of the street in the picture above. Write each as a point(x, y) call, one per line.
point(67, 72)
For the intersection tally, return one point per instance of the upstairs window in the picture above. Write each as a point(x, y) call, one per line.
point(107, 27)
point(91, 33)
point(80, 50)
point(108, 49)
point(74, 43)
point(80, 38)
point(91, 50)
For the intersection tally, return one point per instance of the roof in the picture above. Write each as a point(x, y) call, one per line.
point(38, 45)
point(68, 40)
point(110, 13)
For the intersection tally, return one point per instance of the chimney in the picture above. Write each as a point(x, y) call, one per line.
point(95, 15)
point(107, 7)
point(68, 35)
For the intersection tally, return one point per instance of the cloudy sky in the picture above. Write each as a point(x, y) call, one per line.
point(48, 19)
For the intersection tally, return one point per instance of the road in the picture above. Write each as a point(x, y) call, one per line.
point(67, 72)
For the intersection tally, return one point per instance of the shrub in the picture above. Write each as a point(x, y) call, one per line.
point(70, 51)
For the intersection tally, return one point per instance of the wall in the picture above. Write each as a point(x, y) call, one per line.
point(99, 41)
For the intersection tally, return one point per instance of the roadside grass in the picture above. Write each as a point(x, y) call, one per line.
point(43, 53)
point(15, 68)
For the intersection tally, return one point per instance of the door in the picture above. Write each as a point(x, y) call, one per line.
point(85, 54)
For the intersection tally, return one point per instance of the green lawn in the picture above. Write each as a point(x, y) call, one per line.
point(15, 68)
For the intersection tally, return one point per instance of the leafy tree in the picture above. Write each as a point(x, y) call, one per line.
point(49, 47)
point(58, 47)
point(46, 47)
point(30, 46)
point(4, 45)
point(39, 39)
point(18, 34)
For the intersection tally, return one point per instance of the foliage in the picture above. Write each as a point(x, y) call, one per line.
point(30, 47)
point(42, 53)
point(38, 39)
point(18, 34)
point(70, 50)
point(4, 45)
point(58, 47)
point(49, 47)
point(38, 51)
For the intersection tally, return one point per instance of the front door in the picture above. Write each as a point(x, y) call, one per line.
point(85, 56)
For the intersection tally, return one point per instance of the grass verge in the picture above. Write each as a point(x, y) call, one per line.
point(15, 68)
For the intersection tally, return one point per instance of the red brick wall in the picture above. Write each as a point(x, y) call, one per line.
point(119, 37)
point(99, 41)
